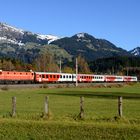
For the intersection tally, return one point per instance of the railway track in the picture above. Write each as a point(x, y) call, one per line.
point(58, 85)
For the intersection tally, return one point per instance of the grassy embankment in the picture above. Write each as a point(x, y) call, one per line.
point(100, 122)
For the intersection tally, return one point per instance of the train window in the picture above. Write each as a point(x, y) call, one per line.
point(57, 76)
point(54, 76)
point(70, 76)
point(43, 76)
point(50, 76)
point(60, 76)
point(7, 72)
point(67, 76)
point(63, 76)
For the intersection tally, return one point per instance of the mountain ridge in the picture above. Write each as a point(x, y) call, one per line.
point(89, 47)
point(26, 45)
point(19, 35)
point(135, 51)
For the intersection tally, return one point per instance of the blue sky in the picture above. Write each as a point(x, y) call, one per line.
point(115, 20)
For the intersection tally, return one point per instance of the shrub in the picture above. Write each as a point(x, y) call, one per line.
point(5, 88)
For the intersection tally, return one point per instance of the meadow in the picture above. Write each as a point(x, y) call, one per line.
point(101, 120)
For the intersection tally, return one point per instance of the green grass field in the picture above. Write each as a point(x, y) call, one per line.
point(101, 119)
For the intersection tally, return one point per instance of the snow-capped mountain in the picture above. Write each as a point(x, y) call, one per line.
point(80, 35)
point(7, 27)
point(17, 36)
point(50, 38)
point(6, 40)
point(135, 51)
point(25, 45)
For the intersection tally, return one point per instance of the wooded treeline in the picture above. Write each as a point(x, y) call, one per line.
point(122, 65)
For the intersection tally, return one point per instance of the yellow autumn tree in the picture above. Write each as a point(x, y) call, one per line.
point(83, 65)
point(67, 69)
point(45, 63)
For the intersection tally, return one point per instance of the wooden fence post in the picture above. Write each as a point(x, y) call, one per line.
point(13, 106)
point(81, 115)
point(120, 106)
point(46, 106)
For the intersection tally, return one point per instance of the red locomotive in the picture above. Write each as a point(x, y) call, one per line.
point(16, 77)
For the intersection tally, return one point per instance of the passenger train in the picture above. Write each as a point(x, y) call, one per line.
point(50, 77)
